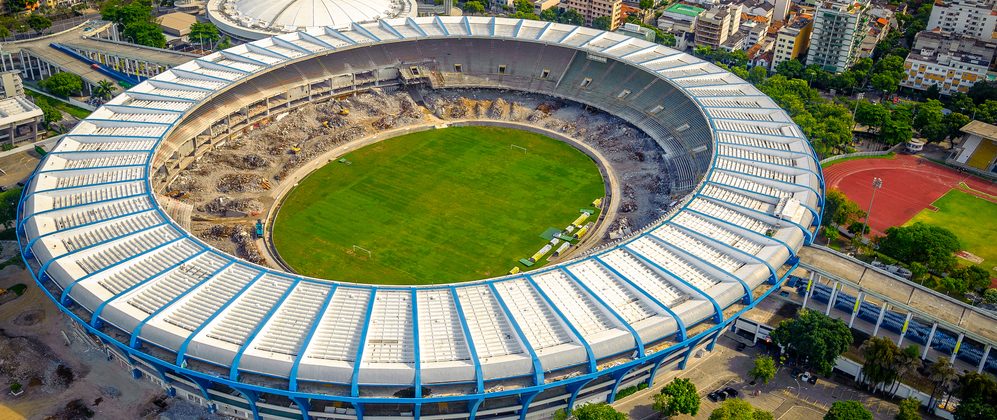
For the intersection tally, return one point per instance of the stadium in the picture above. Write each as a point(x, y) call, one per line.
point(254, 342)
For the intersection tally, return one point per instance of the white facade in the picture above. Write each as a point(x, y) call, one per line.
point(953, 63)
point(974, 18)
point(839, 29)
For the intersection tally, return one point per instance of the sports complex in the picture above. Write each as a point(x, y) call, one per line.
point(257, 342)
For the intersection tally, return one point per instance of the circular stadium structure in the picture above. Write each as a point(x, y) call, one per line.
point(255, 19)
point(250, 341)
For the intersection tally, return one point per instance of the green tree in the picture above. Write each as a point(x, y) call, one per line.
point(813, 339)
point(920, 242)
point(987, 111)
point(600, 411)
point(602, 22)
point(839, 210)
point(885, 82)
point(524, 6)
point(738, 409)
point(943, 376)
point(953, 122)
point(757, 74)
point(62, 84)
point(474, 7)
point(678, 397)
point(907, 362)
point(790, 69)
point(763, 369)
point(49, 113)
point(880, 355)
point(896, 129)
point(929, 120)
point(646, 4)
point(848, 410)
point(104, 89)
point(831, 233)
point(38, 22)
point(572, 17)
point(990, 297)
point(224, 43)
point(909, 409)
point(203, 33)
point(8, 206)
point(982, 91)
point(871, 115)
point(978, 397)
point(145, 33)
point(974, 277)
point(962, 103)
point(4, 32)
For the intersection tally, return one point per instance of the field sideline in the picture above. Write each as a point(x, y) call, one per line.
point(433, 207)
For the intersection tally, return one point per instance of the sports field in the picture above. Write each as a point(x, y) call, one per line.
point(970, 218)
point(437, 206)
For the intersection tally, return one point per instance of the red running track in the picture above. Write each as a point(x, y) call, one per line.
point(910, 184)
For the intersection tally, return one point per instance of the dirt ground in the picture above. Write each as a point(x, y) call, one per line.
point(33, 344)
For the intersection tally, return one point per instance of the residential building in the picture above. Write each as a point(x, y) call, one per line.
point(10, 84)
point(953, 62)
point(755, 32)
point(780, 11)
point(977, 149)
point(680, 20)
point(839, 28)
point(637, 31)
point(19, 120)
point(792, 39)
point(541, 5)
point(717, 24)
point(757, 10)
point(592, 9)
point(974, 18)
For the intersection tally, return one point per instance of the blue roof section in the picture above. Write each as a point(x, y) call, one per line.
point(621, 49)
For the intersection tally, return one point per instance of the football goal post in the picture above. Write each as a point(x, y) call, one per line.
point(357, 249)
point(518, 147)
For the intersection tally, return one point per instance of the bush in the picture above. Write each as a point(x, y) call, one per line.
point(630, 390)
point(15, 387)
point(62, 84)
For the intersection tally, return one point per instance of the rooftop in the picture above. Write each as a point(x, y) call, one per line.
point(685, 9)
point(17, 108)
point(980, 128)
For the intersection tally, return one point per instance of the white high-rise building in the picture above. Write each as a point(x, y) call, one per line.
point(973, 18)
point(839, 28)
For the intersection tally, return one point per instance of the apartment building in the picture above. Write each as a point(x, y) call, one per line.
point(839, 28)
point(10, 84)
point(792, 39)
point(592, 9)
point(950, 61)
point(974, 18)
point(717, 24)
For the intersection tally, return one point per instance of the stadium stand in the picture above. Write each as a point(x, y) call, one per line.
point(253, 342)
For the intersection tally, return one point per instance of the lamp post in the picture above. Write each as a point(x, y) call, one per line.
point(877, 183)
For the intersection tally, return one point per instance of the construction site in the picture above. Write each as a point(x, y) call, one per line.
point(223, 194)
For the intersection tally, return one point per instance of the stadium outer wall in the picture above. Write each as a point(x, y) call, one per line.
point(248, 395)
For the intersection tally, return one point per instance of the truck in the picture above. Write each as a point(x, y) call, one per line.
point(259, 228)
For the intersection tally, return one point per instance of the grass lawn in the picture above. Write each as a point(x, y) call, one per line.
point(57, 104)
point(846, 159)
point(437, 206)
point(971, 219)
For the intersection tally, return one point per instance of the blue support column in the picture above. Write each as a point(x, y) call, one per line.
point(251, 397)
point(617, 380)
point(716, 336)
point(688, 353)
point(574, 389)
point(526, 399)
point(304, 406)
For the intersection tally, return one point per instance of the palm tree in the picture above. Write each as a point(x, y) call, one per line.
point(943, 375)
point(906, 362)
point(880, 355)
point(103, 90)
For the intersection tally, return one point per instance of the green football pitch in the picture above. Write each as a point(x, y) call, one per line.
point(437, 206)
point(967, 217)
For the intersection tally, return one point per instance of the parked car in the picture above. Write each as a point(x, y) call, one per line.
point(730, 392)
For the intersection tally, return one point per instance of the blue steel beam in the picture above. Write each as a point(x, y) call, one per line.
point(66, 291)
point(538, 372)
point(588, 349)
point(681, 250)
point(718, 313)
point(619, 318)
point(358, 357)
point(137, 332)
point(416, 344)
point(736, 250)
point(182, 351)
point(478, 376)
point(678, 321)
point(233, 372)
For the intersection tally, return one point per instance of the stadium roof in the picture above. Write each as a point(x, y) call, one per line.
point(89, 223)
point(254, 19)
